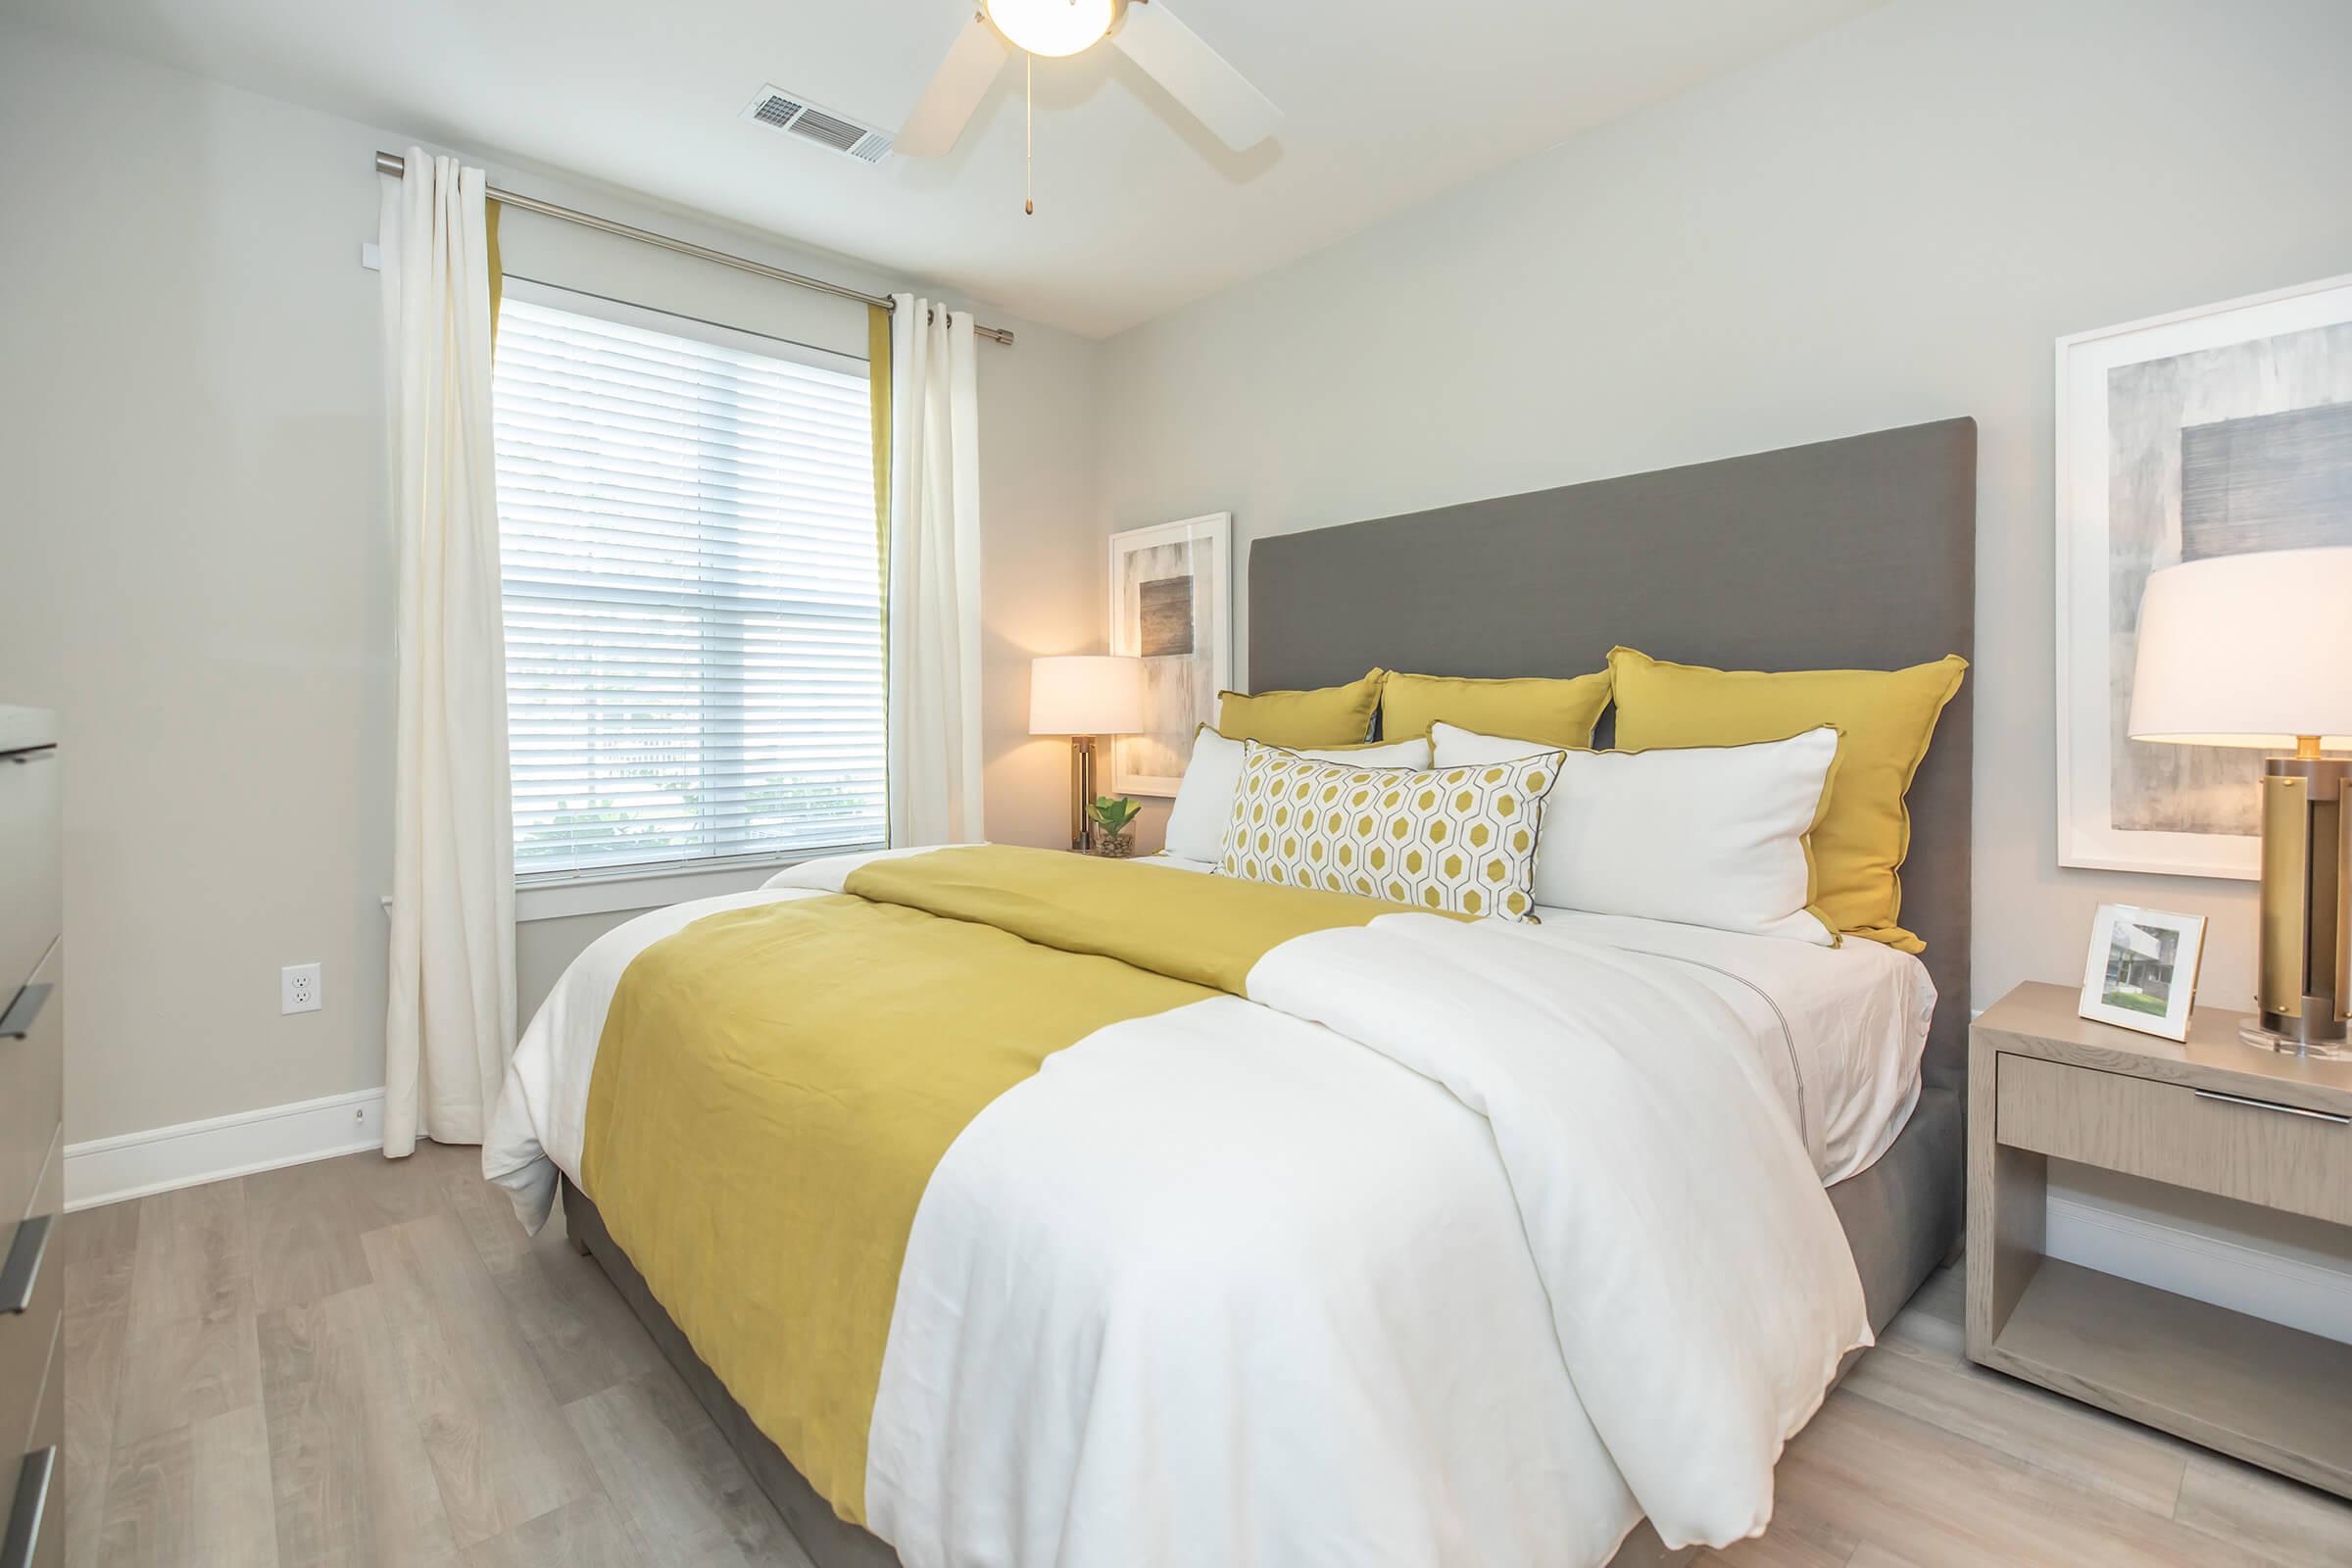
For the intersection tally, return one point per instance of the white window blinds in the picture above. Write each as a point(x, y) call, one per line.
point(693, 616)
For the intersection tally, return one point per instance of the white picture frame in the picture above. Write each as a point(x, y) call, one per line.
point(2141, 971)
point(1168, 584)
point(2127, 806)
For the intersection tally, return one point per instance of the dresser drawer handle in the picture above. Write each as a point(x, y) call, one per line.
point(32, 1508)
point(2272, 1104)
point(22, 1270)
point(16, 1022)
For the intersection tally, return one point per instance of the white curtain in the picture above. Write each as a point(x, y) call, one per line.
point(934, 577)
point(451, 1020)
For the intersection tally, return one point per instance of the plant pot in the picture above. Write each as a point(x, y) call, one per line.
point(1114, 845)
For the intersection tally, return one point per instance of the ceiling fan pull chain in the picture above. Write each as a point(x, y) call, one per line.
point(1028, 133)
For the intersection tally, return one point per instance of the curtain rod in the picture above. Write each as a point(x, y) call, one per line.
point(393, 164)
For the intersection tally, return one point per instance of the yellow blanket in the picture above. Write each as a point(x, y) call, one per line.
point(774, 1086)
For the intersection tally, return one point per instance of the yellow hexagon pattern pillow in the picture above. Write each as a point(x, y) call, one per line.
point(1461, 840)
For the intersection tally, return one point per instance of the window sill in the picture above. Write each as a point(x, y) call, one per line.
point(637, 890)
point(610, 894)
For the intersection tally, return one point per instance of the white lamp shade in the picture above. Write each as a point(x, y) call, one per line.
point(2251, 650)
point(1086, 694)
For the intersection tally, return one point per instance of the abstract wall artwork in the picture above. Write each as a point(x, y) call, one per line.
point(2210, 432)
point(1171, 606)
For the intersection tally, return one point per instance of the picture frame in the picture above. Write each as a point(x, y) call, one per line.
point(2141, 971)
point(1170, 590)
point(2162, 424)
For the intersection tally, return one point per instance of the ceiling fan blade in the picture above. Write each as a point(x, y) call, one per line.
point(947, 104)
point(1196, 76)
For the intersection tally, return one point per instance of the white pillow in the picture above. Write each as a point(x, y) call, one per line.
point(1204, 800)
point(1702, 835)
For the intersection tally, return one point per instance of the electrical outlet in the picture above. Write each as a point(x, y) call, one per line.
point(298, 988)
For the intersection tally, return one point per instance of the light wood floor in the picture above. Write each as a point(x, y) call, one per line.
point(364, 1361)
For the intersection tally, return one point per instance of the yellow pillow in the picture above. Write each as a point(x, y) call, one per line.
point(1344, 746)
point(1556, 712)
point(1327, 715)
point(1885, 720)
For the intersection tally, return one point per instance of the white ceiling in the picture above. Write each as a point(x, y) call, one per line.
point(1139, 209)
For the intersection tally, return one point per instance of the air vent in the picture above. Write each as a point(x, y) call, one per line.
point(794, 116)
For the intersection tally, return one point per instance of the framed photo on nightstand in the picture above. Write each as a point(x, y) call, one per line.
point(2142, 971)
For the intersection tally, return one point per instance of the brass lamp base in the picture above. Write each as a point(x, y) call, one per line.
point(1082, 792)
point(2303, 968)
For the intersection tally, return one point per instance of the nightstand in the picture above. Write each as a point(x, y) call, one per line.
point(2214, 1115)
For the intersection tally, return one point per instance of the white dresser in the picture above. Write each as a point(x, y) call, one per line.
point(32, 1526)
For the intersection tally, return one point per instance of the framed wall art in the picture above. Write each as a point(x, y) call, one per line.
point(1171, 605)
point(2213, 432)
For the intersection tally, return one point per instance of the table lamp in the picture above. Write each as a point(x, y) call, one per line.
point(1085, 696)
point(2256, 650)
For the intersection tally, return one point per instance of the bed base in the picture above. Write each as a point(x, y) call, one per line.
point(1902, 1216)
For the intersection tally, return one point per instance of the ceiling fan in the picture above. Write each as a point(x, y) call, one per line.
point(1145, 30)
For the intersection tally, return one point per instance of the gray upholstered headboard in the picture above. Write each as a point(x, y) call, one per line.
point(1852, 553)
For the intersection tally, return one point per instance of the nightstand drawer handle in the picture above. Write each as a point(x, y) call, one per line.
point(2272, 1104)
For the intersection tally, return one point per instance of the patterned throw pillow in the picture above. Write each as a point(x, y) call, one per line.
point(1456, 839)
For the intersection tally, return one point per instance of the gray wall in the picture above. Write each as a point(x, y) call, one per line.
point(200, 569)
point(1885, 224)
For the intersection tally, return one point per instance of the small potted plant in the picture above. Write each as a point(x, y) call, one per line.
point(1114, 818)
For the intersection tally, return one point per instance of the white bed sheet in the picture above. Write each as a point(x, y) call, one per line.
point(1850, 1023)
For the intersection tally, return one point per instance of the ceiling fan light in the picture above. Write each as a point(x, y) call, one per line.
point(1051, 26)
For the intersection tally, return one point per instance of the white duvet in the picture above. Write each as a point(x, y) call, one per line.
point(1452, 1244)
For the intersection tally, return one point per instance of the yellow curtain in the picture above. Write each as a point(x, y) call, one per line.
point(498, 276)
point(877, 354)
point(877, 395)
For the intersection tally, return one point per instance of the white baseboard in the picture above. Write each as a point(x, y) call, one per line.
point(2307, 1292)
point(106, 1170)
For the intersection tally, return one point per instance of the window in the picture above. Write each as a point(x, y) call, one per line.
point(693, 617)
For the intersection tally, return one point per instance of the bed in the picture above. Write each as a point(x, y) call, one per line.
point(1851, 553)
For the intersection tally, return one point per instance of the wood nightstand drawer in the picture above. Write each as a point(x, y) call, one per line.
point(2260, 1151)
